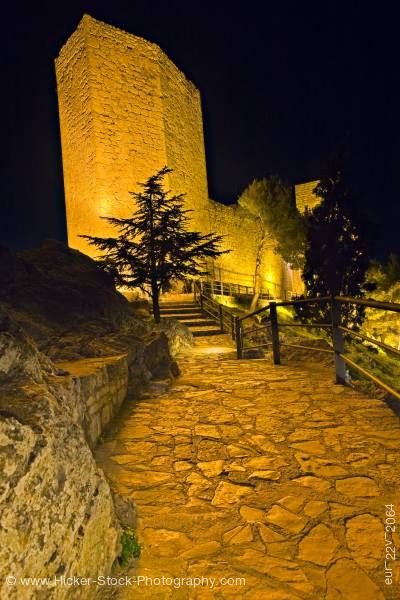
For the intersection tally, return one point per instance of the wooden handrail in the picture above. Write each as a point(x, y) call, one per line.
point(369, 302)
point(235, 324)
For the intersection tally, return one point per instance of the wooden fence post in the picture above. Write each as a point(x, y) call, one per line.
point(338, 342)
point(238, 335)
point(276, 350)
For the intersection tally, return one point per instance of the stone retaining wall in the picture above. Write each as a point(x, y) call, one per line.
point(57, 516)
point(100, 386)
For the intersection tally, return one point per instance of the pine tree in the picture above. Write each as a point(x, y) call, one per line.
point(336, 252)
point(271, 202)
point(154, 245)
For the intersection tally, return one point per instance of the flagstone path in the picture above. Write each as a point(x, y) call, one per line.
point(272, 474)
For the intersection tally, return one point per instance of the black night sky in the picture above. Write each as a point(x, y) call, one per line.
point(284, 88)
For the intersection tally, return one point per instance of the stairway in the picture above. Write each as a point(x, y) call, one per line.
point(190, 314)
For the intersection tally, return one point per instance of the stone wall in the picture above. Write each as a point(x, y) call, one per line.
point(184, 141)
point(305, 197)
point(242, 237)
point(100, 386)
point(78, 140)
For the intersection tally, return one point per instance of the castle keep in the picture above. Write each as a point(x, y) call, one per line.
point(126, 111)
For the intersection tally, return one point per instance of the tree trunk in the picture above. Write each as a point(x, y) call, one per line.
point(257, 270)
point(155, 294)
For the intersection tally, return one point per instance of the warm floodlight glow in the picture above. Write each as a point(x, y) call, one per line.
point(215, 350)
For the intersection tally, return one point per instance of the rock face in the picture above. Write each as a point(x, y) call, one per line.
point(56, 511)
point(54, 288)
point(71, 310)
point(19, 357)
point(71, 348)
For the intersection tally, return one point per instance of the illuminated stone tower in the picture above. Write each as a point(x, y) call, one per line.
point(125, 111)
point(305, 197)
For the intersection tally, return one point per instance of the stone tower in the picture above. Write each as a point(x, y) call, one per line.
point(125, 111)
point(305, 197)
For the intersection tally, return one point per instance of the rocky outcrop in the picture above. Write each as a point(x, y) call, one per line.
point(72, 311)
point(71, 349)
point(53, 288)
point(56, 510)
point(19, 357)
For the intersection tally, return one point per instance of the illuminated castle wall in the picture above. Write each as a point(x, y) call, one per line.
point(126, 111)
point(305, 197)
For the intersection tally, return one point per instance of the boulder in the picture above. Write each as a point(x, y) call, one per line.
point(179, 336)
point(53, 288)
point(19, 357)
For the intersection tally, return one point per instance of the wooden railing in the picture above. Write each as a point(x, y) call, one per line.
point(212, 287)
point(269, 330)
point(264, 326)
point(222, 314)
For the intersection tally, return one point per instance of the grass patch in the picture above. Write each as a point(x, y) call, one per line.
point(130, 548)
point(378, 362)
point(287, 315)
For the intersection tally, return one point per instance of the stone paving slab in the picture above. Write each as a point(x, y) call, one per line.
point(272, 474)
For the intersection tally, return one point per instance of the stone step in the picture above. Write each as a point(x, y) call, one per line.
point(187, 317)
point(204, 332)
point(199, 323)
point(179, 305)
point(179, 310)
point(190, 314)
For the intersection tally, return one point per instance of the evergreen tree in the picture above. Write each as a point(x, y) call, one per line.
point(154, 245)
point(336, 251)
point(272, 203)
point(385, 279)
